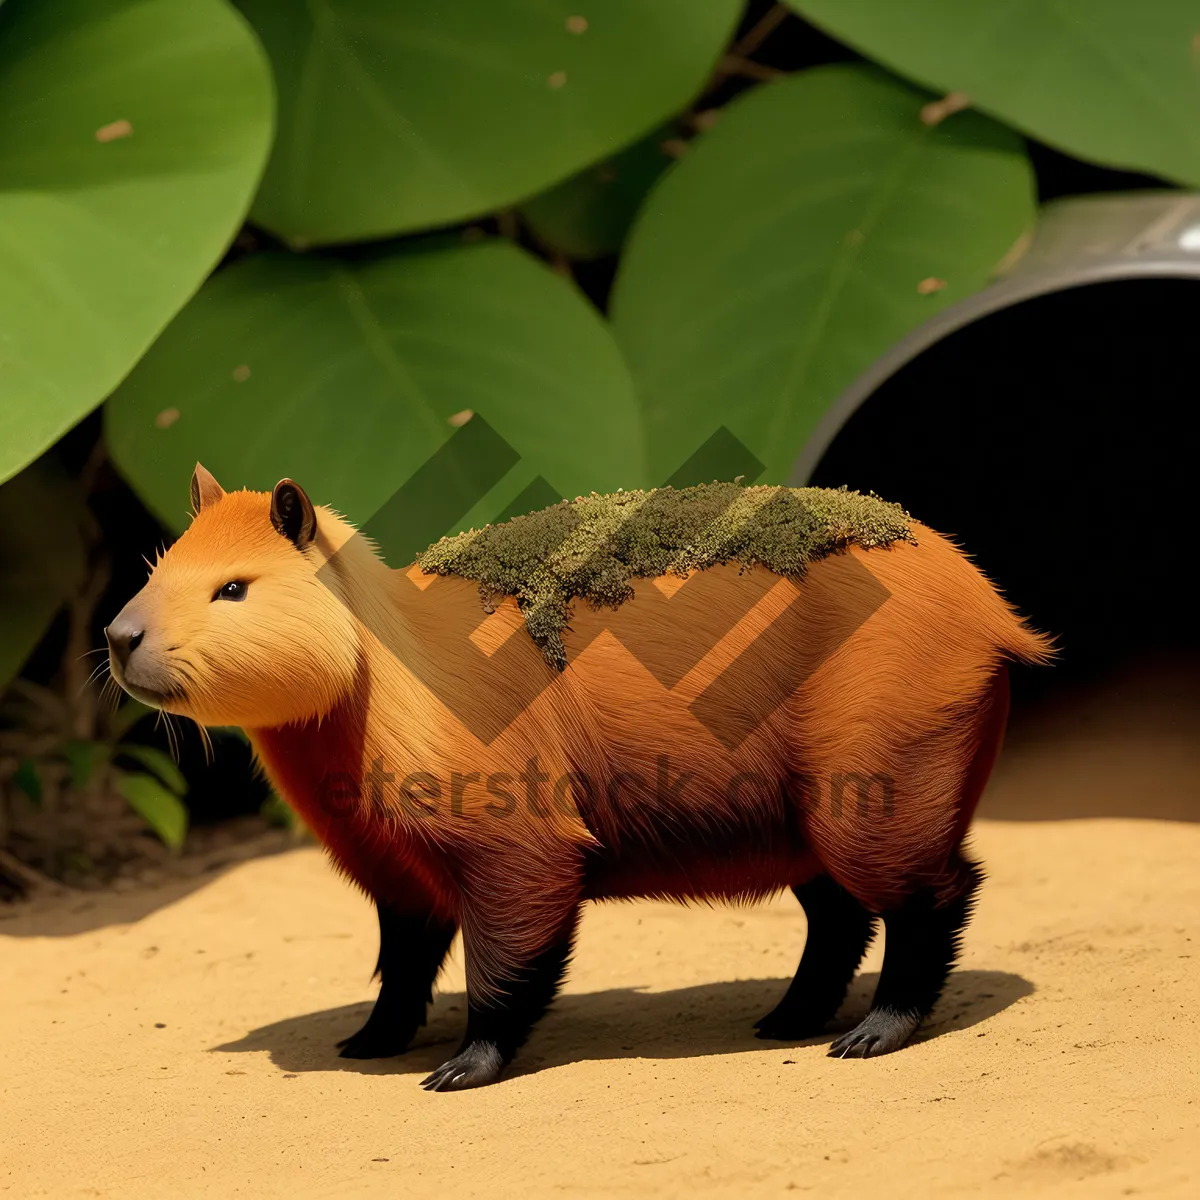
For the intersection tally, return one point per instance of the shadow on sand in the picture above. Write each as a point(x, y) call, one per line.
point(711, 1018)
point(64, 912)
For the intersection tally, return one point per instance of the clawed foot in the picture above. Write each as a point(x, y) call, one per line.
point(477, 1064)
point(375, 1040)
point(880, 1032)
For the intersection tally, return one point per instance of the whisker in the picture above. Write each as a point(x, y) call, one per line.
point(93, 675)
point(174, 736)
point(164, 722)
point(110, 696)
point(206, 741)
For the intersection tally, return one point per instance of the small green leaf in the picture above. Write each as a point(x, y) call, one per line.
point(29, 780)
point(161, 764)
point(161, 809)
point(589, 214)
point(83, 758)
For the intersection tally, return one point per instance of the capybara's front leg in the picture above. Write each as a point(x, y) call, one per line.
point(921, 943)
point(839, 930)
point(412, 948)
point(501, 1012)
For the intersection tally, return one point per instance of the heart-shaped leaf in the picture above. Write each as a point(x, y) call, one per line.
point(817, 222)
point(132, 138)
point(1109, 80)
point(395, 117)
point(348, 376)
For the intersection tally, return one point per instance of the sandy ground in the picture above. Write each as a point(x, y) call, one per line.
point(180, 1042)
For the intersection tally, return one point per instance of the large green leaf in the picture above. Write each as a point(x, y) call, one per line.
point(818, 222)
point(41, 558)
point(132, 137)
point(1110, 80)
point(347, 376)
point(399, 116)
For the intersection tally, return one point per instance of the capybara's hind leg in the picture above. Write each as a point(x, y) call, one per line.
point(498, 1024)
point(922, 941)
point(839, 931)
point(412, 948)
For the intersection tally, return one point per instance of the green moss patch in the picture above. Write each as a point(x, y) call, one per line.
point(592, 547)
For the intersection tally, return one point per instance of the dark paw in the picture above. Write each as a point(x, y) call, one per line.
point(788, 1025)
point(376, 1040)
point(478, 1064)
point(880, 1032)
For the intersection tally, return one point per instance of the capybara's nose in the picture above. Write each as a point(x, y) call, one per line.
point(124, 637)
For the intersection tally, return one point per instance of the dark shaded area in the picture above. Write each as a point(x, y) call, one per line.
point(1055, 440)
point(711, 1018)
point(1061, 175)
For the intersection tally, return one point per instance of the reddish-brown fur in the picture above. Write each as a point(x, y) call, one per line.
point(916, 693)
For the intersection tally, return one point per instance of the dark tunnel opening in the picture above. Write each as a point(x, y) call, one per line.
point(1055, 441)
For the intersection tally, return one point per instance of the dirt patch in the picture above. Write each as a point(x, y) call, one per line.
point(189, 1049)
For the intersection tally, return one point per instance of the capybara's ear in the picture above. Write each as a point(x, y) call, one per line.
point(205, 489)
point(292, 513)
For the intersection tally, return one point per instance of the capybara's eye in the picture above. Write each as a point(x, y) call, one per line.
point(235, 589)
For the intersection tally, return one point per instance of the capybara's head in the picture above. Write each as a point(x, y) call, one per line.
point(234, 625)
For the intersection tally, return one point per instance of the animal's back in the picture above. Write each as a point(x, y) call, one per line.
point(829, 723)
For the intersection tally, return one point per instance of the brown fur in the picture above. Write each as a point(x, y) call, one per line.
point(916, 693)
